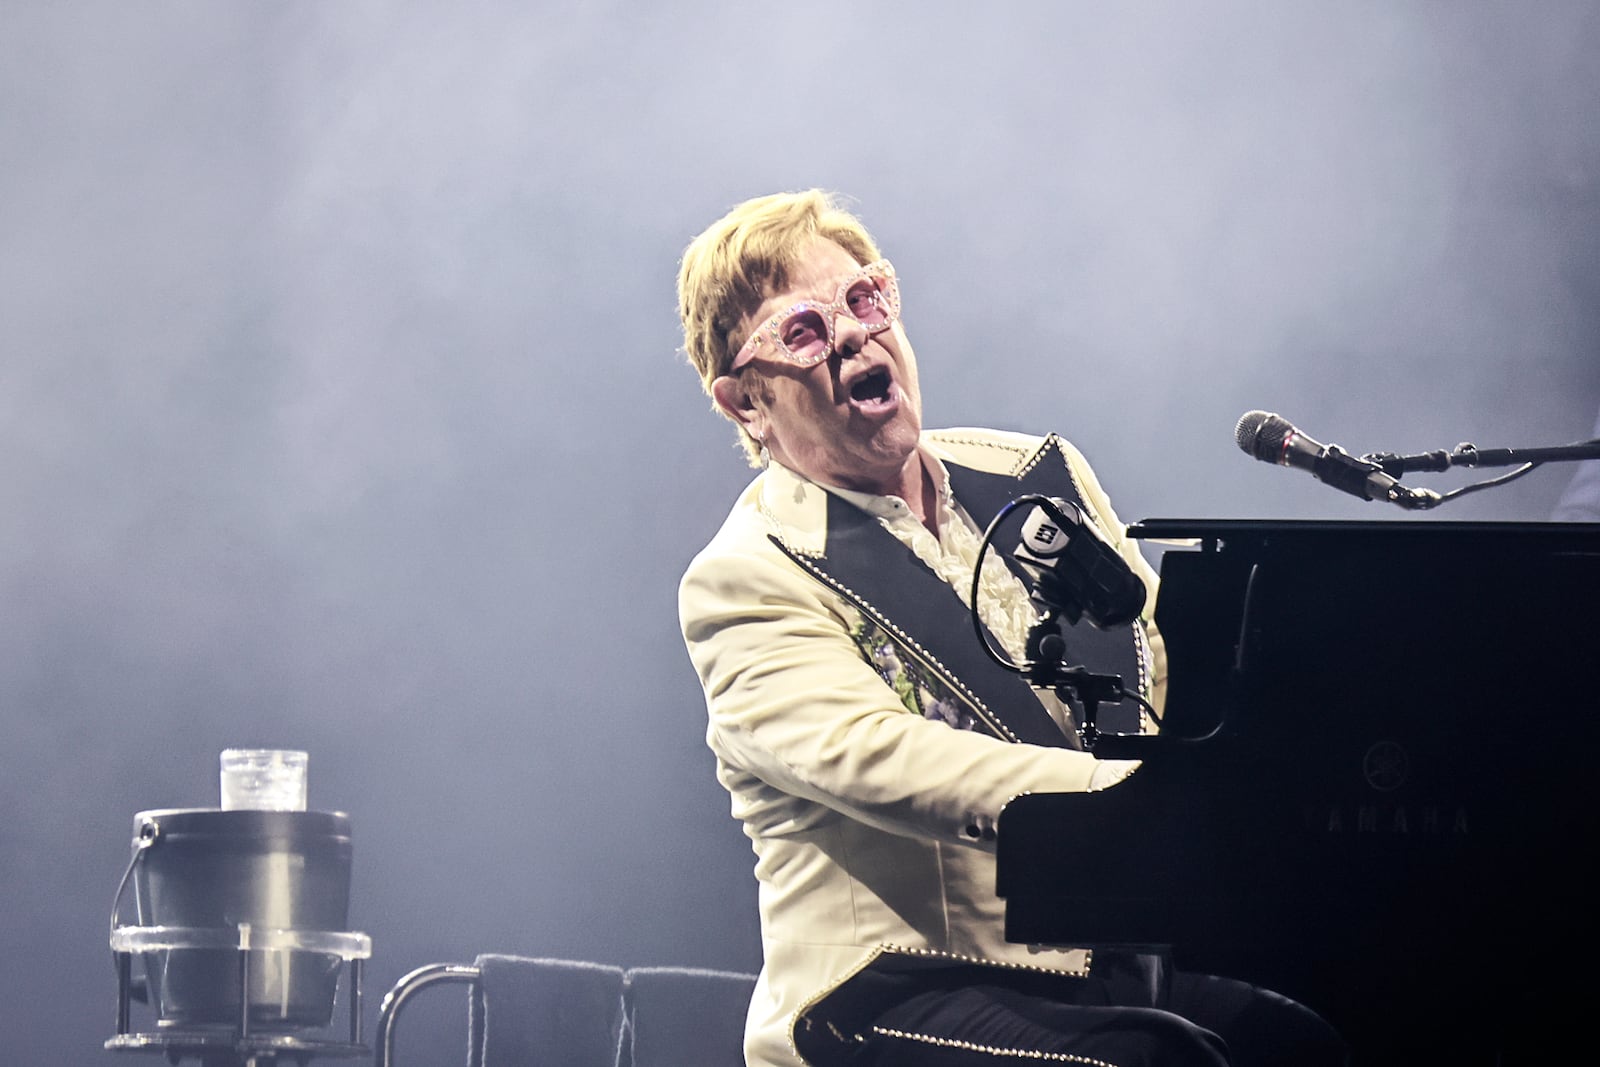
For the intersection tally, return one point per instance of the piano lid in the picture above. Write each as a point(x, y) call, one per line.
point(1401, 532)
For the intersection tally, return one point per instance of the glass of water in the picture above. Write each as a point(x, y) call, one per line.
point(263, 779)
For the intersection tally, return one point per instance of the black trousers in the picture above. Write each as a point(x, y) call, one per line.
point(1133, 1012)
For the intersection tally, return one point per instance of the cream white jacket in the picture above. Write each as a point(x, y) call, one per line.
point(871, 826)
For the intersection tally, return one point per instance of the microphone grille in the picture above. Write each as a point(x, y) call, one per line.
point(1261, 434)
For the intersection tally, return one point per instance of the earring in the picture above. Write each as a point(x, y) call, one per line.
point(766, 457)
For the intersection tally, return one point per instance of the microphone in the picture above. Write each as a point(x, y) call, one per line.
point(1274, 439)
point(1075, 571)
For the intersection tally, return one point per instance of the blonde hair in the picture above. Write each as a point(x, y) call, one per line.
point(742, 259)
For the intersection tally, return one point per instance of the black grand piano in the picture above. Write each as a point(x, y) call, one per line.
point(1377, 788)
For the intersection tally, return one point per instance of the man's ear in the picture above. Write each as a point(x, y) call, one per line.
point(735, 401)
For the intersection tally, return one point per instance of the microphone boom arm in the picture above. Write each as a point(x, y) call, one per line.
point(1467, 454)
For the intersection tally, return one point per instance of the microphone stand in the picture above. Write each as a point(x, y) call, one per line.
point(1469, 455)
point(1047, 650)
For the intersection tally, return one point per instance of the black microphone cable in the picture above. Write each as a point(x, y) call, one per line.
point(1030, 669)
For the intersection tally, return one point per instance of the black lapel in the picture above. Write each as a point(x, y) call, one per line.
point(884, 577)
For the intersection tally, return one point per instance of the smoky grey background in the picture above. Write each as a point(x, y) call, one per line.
point(341, 404)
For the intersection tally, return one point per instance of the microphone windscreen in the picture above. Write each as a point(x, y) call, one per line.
point(1261, 434)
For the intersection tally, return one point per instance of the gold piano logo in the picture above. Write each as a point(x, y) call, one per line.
point(1429, 820)
point(1386, 767)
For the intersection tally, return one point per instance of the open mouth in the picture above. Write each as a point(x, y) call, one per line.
point(873, 388)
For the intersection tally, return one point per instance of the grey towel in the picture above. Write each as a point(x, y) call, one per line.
point(685, 1017)
point(545, 1013)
